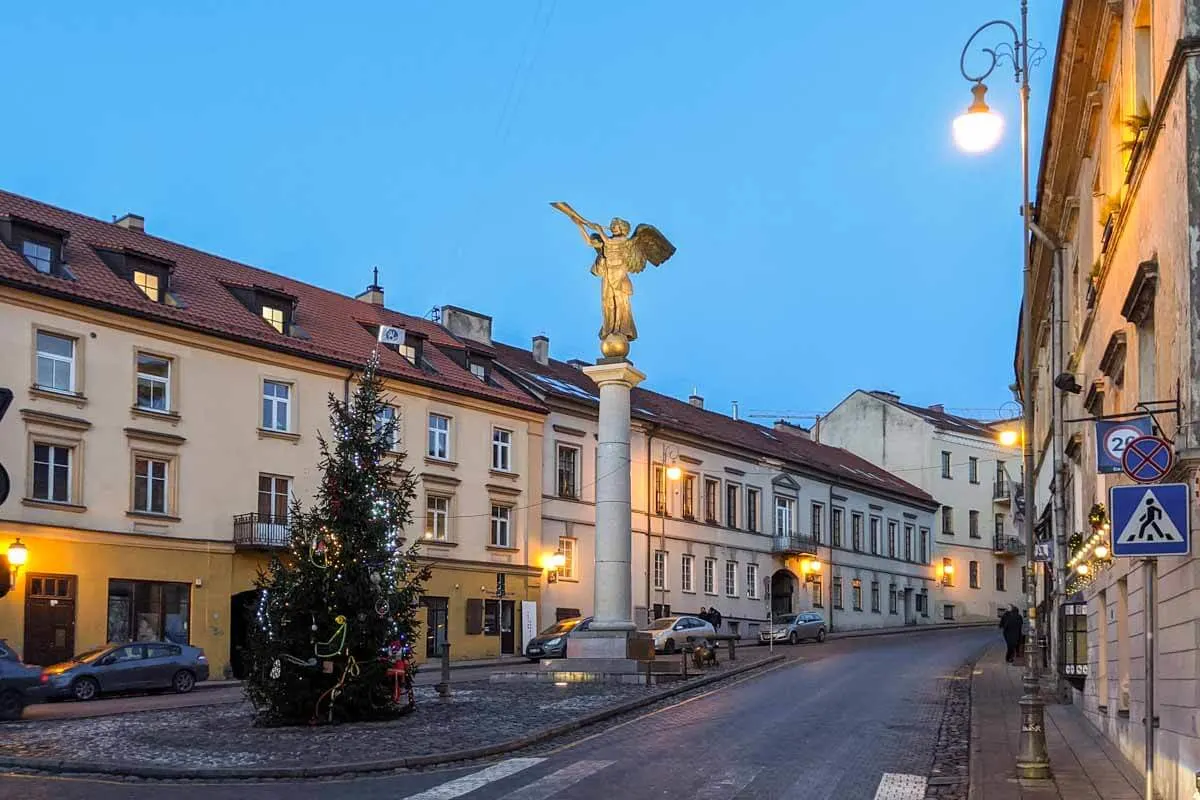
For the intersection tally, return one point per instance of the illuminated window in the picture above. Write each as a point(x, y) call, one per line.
point(148, 283)
point(274, 317)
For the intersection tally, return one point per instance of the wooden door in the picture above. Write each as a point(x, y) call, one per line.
point(49, 619)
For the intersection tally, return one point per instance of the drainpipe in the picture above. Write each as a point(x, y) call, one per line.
point(346, 388)
point(649, 513)
point(831, 609)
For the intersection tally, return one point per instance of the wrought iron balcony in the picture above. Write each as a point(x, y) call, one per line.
point(1001, 491)
point(260, 532)
point(1005, 545)
point(794, 544)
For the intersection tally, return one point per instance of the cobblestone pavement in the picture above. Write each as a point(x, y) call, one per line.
point(851, 719)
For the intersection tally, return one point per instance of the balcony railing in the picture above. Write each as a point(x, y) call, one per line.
point(1001, 491)
point(1005, 545)
point(261, 531)
point(800, 545)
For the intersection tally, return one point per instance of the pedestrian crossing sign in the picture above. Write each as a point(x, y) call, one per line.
point(1151, 520)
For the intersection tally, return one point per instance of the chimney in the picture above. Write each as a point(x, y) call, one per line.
point(374, 292)
point(938, 408)
point(695, 399)
point(783, 426)
point(578, 363)
point(735, 410)
point(541, 349)
point(465, 324)
point(133, 222)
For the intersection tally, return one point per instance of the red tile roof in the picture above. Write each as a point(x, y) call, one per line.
point(940, 419)
point(332, 322)
point(565, 382)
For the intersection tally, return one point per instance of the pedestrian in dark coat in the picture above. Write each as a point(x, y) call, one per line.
point(1010, 625)
point(703, 614)
point(714, 619)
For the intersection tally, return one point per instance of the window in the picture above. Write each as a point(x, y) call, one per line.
point(908, 542)
point(148, 283)
point(893, 600)
point(856, 594)
point(1000, 582)
point(712, 491)
point(660, 491)
point(785, 509)
point(567, 546)
point(39, 256)
point(55, 362)
point(921, 601)
point(689, 496)
point(150, 485)
point(51, 473)
point(855, 529)
point(276, 406)
point(731, 578)
point(946, 464)
point(660, 569)
point(814, 592)
point(479, 371)
point(947, 572)
point(144, 612)
point(818, 511)
point(999, 523)
point(948, 612)
point(568, 471)
point(274, 492)
point(892, 526)
point(687, 573)
point(924, 540)
point(947, 521)
point(390, 415)
point(837, 592)
point(752, 581)
point(153, 383)
point(439, 437)
point(710, 576)
point(501, 526)
point(876, 532)
point(973, 469)
point(274, 317)
point(437, 518)
point(875, 596)
point(501, 449)
point(1143, 80)
point(973, 524)
point(732, 492)
point(973, 574)
point(752, 509)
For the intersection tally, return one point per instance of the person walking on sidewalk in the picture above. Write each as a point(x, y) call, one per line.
point(1011, 624)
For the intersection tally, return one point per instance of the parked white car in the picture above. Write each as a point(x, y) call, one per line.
point(672, 633)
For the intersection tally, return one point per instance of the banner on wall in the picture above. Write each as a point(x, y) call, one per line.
point(529, 622)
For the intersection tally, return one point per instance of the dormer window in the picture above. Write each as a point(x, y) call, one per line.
point(479, 370)
point(148, 283)
point(42, 246)
point(38, 255)
point(274, 317)
point(148, 273)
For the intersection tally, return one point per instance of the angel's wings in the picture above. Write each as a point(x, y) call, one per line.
point(651, 244)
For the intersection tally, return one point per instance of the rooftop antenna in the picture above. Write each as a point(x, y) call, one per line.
point(374, 277)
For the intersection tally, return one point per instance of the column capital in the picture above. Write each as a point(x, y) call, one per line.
point(615, 371)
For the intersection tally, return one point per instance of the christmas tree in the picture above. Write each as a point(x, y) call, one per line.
point(331, 636)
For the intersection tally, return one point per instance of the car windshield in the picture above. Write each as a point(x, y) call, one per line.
point(662, 624)
point(786, 619)
point(91, 655)
point(564, 626)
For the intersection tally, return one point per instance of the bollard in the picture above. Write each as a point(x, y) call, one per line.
point(733, 650)
point(683, 659)
point(443, 688)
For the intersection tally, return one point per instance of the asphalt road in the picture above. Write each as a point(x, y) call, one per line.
point(855, 718)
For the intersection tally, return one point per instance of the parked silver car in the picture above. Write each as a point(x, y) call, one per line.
point(672, 633)
point(139, 666)
point(793, 628)
point(552, 642)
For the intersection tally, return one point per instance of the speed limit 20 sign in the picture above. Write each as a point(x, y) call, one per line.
point(1112, 439)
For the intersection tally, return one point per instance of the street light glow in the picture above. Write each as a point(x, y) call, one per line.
point(979, 129)
point(674, 472)
point(1009, 438)
point(17, 554)
point(1101, 551)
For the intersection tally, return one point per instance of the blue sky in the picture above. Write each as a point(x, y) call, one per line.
point(829, 235)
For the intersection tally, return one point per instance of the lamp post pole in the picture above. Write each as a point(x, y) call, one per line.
point(1032, 760)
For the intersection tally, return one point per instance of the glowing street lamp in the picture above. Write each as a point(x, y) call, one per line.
point(17, 555)
point(979, 128)
point(1009, 437)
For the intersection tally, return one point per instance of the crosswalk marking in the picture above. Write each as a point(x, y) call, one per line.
point(469, 783)
point(729, 782)
point(555, 782)
point(894, 786)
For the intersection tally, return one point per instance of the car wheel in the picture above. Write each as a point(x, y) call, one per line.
point(183, 682)
point(793, 638)
point(669, 647)
point(85, 689)
point(821, 635)
point(12, 703)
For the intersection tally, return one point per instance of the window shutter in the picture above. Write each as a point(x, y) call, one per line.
point(474, 617)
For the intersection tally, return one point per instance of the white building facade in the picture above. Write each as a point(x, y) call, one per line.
point(977, 551)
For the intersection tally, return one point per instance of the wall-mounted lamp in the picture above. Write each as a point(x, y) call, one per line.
point(810, 566)
point(671, 459)
point(554, 561)
point(17, 555)
point(947, 574)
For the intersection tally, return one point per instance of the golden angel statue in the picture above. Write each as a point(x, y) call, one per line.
point(618, 255)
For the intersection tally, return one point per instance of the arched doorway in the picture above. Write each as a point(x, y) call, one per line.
point(783, 592)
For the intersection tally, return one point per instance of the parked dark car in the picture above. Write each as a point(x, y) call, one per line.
point(20, 683)
point(552, 642)
point(135, 667)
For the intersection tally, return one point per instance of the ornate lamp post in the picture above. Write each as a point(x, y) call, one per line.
point(975, 131)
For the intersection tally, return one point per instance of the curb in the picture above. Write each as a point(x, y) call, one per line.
point(912, 629)
point(114, 768)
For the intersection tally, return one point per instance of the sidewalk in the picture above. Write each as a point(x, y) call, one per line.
point(1083, 764)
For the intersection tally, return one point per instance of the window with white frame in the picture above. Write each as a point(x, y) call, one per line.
point(479, 370)
point(52, 473)
point(946, 464)
point(277, 406)
point(148, 283)
point(710, 576)
point(752, 581)
point(274, 491)
point(893, 530)
point(568, 471)
point(908, 542)
point(502, 449)
point(439, 437)
point(785, 512)
point(390, 415)
point(39, 256)
point(712, 495)
point(876, 531)
point(689, 497)
point(818, 513)
point(660, 569)
point(501, 526)
point(150, 485)
point(973, 469)
point(567, 546)
point(731, 572)
point(437, 517)
point(686, 573)
point(732, 492)
point(153, 383)
point(924, 540)
point(55, 362)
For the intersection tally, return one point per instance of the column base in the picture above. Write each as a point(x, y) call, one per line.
point(602, 644)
